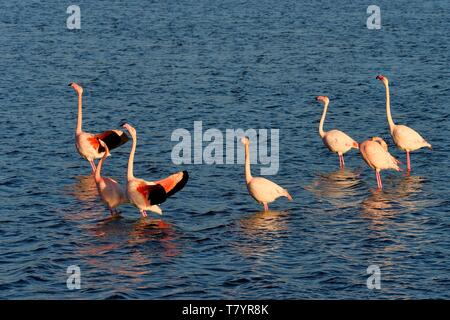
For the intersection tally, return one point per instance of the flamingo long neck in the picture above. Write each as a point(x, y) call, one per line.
point(248, 174)
point(80, 114)
point(388, 108)
point(322, 120)
point(98, 170)
point(130, 174)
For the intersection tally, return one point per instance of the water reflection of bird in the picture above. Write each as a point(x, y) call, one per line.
point(262, 230)
point(336, 186)
point(399, 200)
point(144, 236)
point(84, 189)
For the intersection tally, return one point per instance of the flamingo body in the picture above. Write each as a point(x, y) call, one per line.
point(261, 189)
point(338, 142)
point(375, 153)
point(408, 139)
point(146, 195)
point(335, 140)
point(87, 144)
point(404, 137)
point(111, 192)
point(266, 191)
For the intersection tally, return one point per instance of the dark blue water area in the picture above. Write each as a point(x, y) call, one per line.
point(161, 65)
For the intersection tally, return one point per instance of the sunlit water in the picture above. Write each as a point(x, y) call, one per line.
point(248, 64)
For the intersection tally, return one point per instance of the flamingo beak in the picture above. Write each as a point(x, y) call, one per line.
point(70, 84)
point(380, 77)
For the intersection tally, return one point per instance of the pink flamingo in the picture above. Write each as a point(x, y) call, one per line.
point(375, 153)
point(87, 144)
point(147, 195)
point(404, 137)
point(109, 189)
point(261, 189)
point(336, 141)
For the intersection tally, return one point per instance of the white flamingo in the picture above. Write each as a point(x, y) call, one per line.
point(375, 153)
point(335, 140)
point(147, 195)
point(404, 137)
point(109, 189)
point(87, 143)
point(261, 189)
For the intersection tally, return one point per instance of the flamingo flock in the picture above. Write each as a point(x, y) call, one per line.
point(148, 195)
point(144, 195)
point(374, 151)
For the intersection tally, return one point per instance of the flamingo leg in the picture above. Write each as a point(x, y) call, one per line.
point(92, 166)
point(408, 162)
point(379, 183)
point(143, 213)
point(343, 162)
point(266, 206)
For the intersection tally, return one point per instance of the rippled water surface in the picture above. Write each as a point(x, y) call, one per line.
point(162, 65)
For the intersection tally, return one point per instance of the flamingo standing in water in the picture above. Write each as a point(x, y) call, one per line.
point(109, 189)
point(335, 140)
point(87, 144)
point(147, 195)
point(375, 153)
point(404, 137)
point(261, 189)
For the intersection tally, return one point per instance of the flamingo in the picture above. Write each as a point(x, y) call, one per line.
point(375, 153)
point(335, 140)
point(109, 189)
point(147, 195)
point(86, 143)
point(404, 137)
point(261, 189)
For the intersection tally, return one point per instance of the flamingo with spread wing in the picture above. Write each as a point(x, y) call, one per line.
point(146, 195)
point(87, 144)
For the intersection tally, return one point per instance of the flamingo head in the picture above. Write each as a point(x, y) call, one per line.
point(76, 87)
point(130, 129)
point(103, 144)
point(323, 99)
point(245, 141)
point(383, 79)
point(381, 142)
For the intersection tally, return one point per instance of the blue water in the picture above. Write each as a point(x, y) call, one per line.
point(162, 65)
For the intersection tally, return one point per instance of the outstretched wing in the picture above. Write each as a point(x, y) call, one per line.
point(158, 192)
point(112, 138)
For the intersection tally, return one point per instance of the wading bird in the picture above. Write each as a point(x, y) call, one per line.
point(147, 195)
point(375, 153)
point(335, 140)
point(87, 144)
point(109, 189)
point(404, 137)
point(261, 189)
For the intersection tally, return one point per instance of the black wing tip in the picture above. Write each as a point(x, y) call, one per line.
point(184, 179)
point(115, 140)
